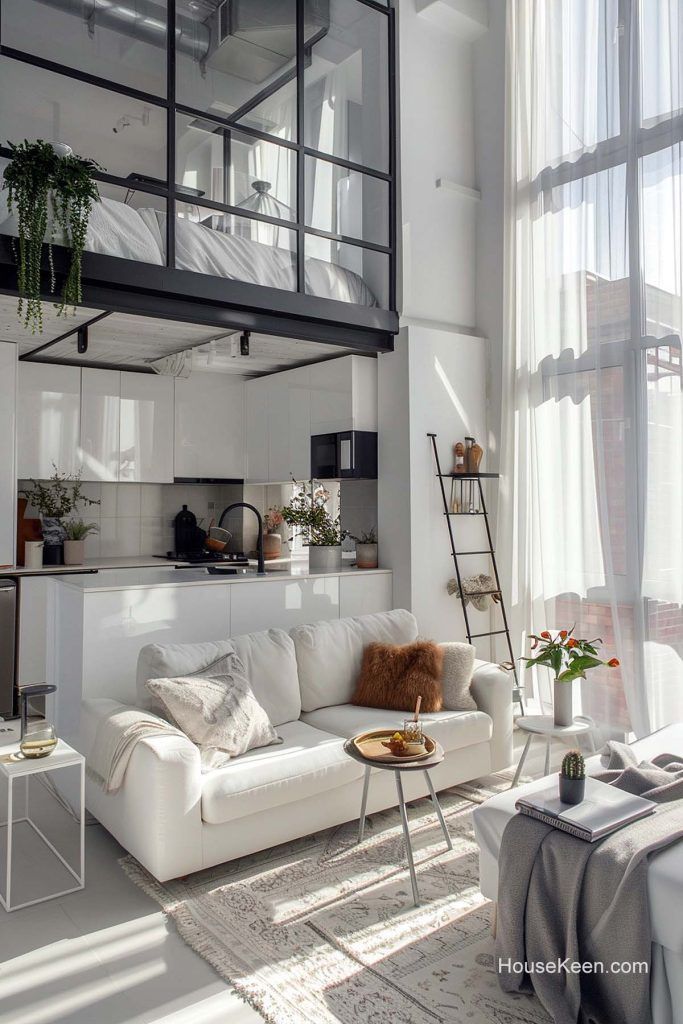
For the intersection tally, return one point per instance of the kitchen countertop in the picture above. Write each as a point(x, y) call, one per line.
point(90, 565)
point(193, 577)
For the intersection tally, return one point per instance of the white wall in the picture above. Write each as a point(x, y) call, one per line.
point(489, 141)
point(437, 141)
point(443, 376)
point(436, 379)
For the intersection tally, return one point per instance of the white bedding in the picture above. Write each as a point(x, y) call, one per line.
point(119, 230)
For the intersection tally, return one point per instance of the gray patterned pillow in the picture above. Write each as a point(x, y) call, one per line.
point(217, 712)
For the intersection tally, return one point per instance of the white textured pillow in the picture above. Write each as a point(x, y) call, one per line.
point(458, 666)
point(217, 712)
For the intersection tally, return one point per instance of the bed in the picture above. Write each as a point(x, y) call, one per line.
point(119, 230)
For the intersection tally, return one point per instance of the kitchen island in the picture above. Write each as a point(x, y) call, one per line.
point(102, 620)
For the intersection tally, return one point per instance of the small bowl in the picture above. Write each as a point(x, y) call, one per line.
point(211, 544)
point(218, 533)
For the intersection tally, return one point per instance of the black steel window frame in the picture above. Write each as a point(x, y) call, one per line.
point(169, 190)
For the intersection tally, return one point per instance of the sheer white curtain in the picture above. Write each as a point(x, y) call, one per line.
point(591, 511)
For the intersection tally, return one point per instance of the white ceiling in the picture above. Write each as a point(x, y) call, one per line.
point(125, 340)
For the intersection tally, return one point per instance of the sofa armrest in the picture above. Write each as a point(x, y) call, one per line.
point(491, 688)
point(156, 814)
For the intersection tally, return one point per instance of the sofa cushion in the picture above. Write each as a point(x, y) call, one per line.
point(395, 676)
point(307, 762)
point(458, 666)
point(268, 658)
point(453, 729)
point(218, 712)
point(329, 654)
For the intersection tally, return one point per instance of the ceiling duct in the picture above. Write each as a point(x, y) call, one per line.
point(143, 20)
point(251, 39)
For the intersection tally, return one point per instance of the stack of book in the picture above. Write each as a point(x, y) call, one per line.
point(603, 810)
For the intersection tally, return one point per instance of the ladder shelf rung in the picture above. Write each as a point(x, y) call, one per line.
point(484, 551)
point(464, 513)
point(469, 476)
point(495, 632)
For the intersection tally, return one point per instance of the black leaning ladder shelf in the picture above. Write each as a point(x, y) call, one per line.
point(473, 479)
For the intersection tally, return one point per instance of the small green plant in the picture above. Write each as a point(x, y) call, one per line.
point(76, 529)
point(39, 181)
point(57, 497)
point(308, 514)
point(367, 537)
point(573, 765)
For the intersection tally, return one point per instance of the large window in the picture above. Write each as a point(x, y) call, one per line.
point(255, 140)
point(599, 292)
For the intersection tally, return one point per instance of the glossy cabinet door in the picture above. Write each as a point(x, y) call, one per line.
point(299, 394)
point(209, 426)
point(8, 468)
point(100, 423)
point(146, 428)
point(344, 395)
point(48, 420)
point(256, 397)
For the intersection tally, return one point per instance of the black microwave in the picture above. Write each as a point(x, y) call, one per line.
point(346, 455)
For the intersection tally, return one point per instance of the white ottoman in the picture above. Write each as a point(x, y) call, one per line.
point(665, 877)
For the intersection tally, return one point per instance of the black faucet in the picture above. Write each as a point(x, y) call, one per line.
point(259, 546)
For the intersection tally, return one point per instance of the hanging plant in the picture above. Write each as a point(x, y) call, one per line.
point(40, 182)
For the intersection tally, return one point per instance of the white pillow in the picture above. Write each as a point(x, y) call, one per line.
point(217, 712)
point(458, 666)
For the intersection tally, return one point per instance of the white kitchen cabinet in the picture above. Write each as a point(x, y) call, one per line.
point(48, 420)
point(8, 468)
point(209, 426)
point(256, 396)
point(100, 424)
point(146, 428)
point(343, 395)
point(279, 427)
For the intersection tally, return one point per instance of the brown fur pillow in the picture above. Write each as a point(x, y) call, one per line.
point(392, 676)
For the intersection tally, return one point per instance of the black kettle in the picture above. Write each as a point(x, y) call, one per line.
point(185, 525)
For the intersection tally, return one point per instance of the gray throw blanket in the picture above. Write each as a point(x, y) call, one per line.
point(565, 901)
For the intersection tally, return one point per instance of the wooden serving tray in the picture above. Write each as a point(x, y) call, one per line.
point(369, 744)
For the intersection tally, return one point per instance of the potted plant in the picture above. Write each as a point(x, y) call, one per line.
point(308, 514)
point(74, 544)
point(50, 190)
point(572, 778)
point(366, 549)
point(272, 539)
point(568, 658)
point(55, 499)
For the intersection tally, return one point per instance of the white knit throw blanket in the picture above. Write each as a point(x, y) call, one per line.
point(117, 734)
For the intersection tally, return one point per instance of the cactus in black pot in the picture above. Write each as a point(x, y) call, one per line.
point(572, 778)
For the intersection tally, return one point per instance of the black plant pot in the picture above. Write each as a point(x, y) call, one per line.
point(572, 791)
point(53, 554)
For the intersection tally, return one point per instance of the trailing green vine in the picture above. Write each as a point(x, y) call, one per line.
point(39, 181)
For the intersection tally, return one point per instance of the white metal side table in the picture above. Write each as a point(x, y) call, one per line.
point(13, 768)
point(397, 767)
point(544, 726)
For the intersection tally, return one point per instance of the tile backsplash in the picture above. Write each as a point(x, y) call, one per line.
point(137, 519)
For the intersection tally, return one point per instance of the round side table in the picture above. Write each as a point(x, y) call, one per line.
point(398, 767)
point(544, 726)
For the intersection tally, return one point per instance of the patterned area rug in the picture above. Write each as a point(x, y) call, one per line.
point(323, 931)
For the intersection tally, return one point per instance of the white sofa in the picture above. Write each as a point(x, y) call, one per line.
point(176, 820)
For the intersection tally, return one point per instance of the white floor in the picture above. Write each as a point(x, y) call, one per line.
point(106, 955)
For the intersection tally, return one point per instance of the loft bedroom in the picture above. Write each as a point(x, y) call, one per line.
point(247, 158)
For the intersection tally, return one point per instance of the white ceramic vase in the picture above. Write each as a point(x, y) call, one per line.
point(366, 556)
point(563, 703)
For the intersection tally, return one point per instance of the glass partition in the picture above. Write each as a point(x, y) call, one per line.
point(254, 142)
